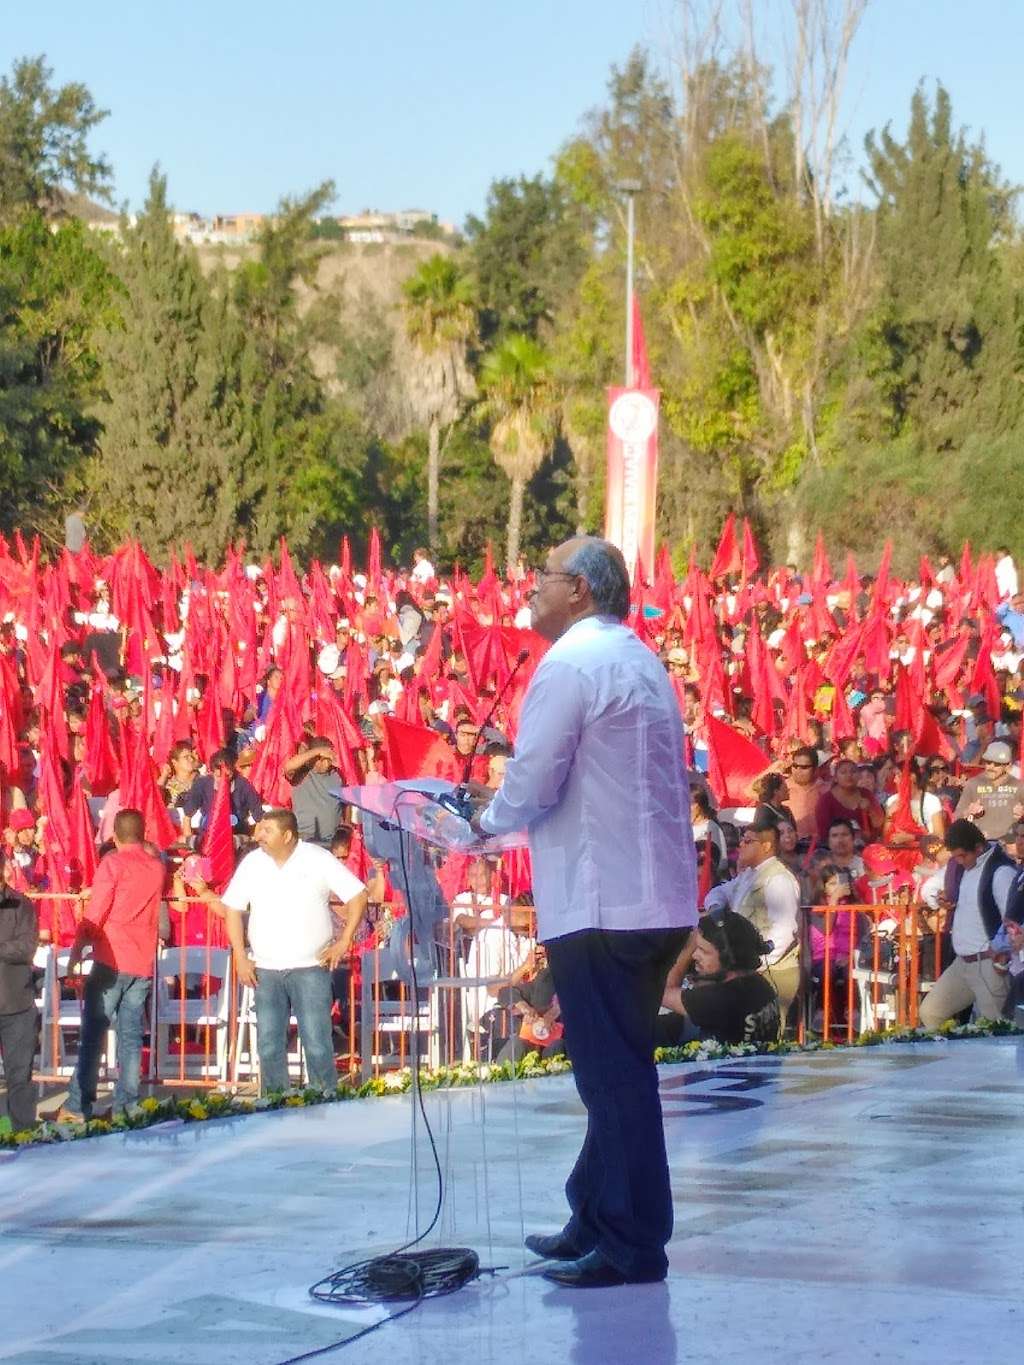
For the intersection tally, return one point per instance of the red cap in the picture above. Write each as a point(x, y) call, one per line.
point(22, 819)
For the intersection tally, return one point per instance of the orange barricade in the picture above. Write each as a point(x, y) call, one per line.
point(870, 974)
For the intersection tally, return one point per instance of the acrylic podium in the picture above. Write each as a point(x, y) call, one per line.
point(404, 824)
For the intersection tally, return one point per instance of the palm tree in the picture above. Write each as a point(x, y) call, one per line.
point(439, 320)
point(519, 401)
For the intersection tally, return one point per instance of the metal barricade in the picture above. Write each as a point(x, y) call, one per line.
point(876, 980)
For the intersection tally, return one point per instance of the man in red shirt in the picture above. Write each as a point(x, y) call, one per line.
point(121, 922)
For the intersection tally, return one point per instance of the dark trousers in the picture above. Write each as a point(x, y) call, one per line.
point(609, 985)
point(18, 1035)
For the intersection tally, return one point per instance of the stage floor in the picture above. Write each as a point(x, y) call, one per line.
point(835, 1206)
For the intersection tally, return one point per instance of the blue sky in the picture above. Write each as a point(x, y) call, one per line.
point(421, 103)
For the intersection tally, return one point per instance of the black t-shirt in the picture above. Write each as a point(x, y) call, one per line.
point(743, 1010)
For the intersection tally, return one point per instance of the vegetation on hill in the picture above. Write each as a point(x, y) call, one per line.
point(849, 361)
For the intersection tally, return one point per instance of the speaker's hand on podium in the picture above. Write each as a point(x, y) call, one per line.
point(481, 797)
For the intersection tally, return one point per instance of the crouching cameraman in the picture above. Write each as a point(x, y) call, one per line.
point(714, 990)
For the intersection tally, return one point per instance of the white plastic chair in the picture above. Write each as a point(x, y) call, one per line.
point(61, 1008)
point(209, 1010)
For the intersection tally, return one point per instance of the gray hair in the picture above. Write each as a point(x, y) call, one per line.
point(602, 565)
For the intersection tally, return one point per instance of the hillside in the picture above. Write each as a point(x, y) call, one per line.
point(375, 364)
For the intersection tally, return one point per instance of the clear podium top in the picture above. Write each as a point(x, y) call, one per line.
point(412, 806)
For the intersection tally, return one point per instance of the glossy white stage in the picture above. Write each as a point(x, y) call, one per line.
point(842, 1206)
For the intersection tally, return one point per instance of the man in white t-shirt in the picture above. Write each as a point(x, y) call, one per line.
point(422, 569)
point(286, 886)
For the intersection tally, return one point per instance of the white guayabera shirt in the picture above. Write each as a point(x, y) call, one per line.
point(598, 781)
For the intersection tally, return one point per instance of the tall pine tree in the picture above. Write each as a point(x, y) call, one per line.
point(173, 449)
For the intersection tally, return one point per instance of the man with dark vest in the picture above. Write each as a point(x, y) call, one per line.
point(977, 894)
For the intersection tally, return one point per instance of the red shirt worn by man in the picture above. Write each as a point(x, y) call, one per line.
point(123, 913)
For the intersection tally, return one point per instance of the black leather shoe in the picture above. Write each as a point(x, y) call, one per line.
point(593, 1272)
point(557, 1247)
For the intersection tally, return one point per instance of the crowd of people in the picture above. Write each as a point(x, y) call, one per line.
point(850, 738)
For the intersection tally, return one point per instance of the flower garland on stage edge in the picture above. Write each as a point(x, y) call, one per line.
point(215, 1104)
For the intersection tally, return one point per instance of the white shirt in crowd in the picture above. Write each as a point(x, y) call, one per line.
point(924, 807)
point(598, 781)
point(481, 907)
point(700, 834)
point(1006, 576)
point(290, 906)
point(494, 951)
point(781, 901)
point(422, 572)
point(969, 934)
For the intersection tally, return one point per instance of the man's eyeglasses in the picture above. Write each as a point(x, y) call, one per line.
point(542, 575)
point(802, 767)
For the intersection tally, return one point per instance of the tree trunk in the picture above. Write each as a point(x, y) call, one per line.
point(515, 521)
point(582, 499)
point(433, 479)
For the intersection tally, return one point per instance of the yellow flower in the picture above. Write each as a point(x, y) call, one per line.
point(294, 1102)
point(149, 1105)
point(198, 1111)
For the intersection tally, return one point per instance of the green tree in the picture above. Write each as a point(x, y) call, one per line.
point(521, 405)
point(44, 141)
point(943, 345)
point(54, 293)
point(439, 321)
point(527, 254)
point(307, 451)
point(173, 454)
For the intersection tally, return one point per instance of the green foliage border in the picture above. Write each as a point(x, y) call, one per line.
point(200, 1108)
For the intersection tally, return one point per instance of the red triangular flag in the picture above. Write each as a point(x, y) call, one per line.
point(733, 763)
point(727, 556)
point(640, 365)
point(218, 841)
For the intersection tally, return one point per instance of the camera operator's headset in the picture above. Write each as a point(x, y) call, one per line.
point(726, 951)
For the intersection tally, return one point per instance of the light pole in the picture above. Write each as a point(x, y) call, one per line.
point(630, 188)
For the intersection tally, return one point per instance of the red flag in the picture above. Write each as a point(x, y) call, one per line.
point(140, 792)
point(704, 882)
point(53, 801)
point(843, 724)
point(82, 843)
point(639, 363)
point(209, 723)
point(727, 557)
point(282, 735)
point(901, 818)
point(946, 663)
point(218, 842)
point(750, 561)
point(101, 763)
point(11, 716)
point(733, 763)
point(373, 559)
point(416, 751)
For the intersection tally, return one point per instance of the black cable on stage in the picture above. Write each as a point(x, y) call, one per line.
point(398, 1275)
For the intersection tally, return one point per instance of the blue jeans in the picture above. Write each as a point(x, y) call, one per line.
point(306, 993)
point(115, 999)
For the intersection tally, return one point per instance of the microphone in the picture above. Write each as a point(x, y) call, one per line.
point(458, 801)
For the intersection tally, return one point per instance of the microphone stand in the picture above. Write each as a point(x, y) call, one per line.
point(459, 801)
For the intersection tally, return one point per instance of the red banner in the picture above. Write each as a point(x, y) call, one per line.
point(632, 481)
